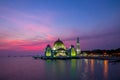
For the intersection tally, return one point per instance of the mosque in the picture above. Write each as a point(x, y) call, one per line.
point(60, 50)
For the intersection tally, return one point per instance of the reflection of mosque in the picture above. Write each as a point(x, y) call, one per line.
point(59, 49)
point(77, 69)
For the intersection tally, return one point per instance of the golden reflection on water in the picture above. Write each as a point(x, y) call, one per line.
point(105, 69)
point(75, 66)
point(92, 65)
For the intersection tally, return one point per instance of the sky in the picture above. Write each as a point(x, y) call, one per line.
point(29, 25)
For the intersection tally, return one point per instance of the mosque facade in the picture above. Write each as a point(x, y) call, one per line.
point(60, 50)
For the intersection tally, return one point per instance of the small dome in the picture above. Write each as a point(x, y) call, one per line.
point(58, 44)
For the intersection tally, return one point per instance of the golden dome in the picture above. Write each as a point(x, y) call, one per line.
point(58, 44)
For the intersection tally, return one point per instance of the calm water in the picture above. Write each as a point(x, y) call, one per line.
point(27, 68)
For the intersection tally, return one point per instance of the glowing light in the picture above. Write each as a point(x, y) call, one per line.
point(48, 52)
point(73, 53)
point(92, 65)
point(105, 68)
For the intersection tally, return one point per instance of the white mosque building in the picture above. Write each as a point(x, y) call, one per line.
point(60, 50)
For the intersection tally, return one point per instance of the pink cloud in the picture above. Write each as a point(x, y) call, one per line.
point(23, 25)
point(32, 32)
point(21, 45)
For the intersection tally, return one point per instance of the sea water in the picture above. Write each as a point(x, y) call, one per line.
point(28, 68)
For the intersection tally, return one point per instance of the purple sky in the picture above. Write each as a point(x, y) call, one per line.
point(29, 25)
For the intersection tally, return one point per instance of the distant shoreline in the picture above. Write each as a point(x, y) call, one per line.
point(77, 57)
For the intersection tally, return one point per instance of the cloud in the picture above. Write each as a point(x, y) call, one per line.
point(25, 25)
point(95, 36)
point(23, 31)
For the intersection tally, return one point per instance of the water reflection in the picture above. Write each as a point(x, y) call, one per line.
point(75, 69)
point(86, 65)
point(105, 69)
point(92, 66)
point(55, 70)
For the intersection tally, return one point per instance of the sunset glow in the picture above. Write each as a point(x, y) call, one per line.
point(31, 25)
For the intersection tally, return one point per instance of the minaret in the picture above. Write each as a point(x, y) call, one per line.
point(78, 46)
